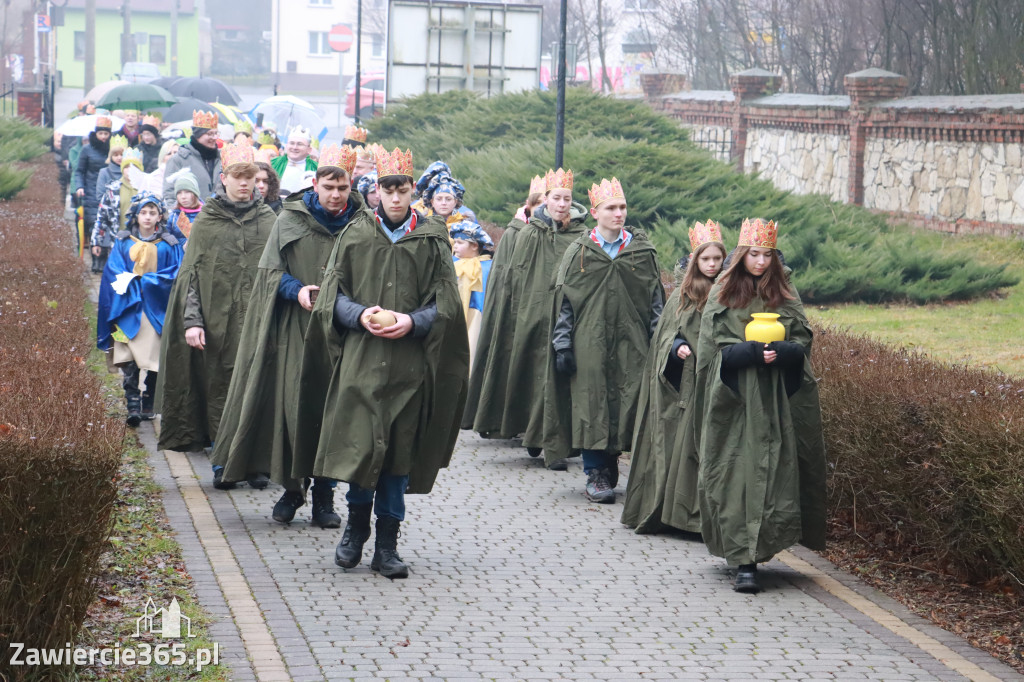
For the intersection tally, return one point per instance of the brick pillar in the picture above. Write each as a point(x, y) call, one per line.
point(656, 85)
point(866, 88)
point(30, 105)
point(747, 85)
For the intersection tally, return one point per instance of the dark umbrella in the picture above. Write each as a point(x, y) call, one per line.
point(206, 89)
point(136, 96)
point(166, 81)
point(182, 111)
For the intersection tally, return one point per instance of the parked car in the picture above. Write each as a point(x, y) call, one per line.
point(140, 72)
point(371, 96)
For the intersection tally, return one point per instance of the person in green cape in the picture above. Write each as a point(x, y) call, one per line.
point(384, 367)
point(207, 308)
point(608, 298)
point(260, 418)
point(761, 450)
point(662, 487)
point(539, 248)
point(489, 375)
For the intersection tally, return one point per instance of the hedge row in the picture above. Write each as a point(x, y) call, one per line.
point(926, 456)
point(838, 252)
point(59, 451)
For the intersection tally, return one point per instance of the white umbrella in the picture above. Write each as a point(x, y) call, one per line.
point(102, 89)
point(225, 131)
point(80, 126)
point(289, 111)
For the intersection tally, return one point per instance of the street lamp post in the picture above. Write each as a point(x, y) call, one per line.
point(560, 98)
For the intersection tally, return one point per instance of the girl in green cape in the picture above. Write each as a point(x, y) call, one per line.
point(662, 488)
point(761, 482)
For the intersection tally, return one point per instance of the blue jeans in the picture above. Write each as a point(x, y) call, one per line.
point(388, 499)
point(598, 459)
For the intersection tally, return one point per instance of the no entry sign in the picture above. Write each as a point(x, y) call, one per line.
point(340, 38)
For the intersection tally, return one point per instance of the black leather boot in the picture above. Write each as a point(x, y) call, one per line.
point(746, 579)
point(357, 531)
point(132, 396)
point(148, 396)
point(385, 554)
point(284, 510)
point(323, 506)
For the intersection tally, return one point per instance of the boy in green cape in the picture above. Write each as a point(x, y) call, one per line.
point(608, 298)
point(260, 419)
point(384, 367)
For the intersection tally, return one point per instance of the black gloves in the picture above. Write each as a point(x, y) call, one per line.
point(565, 362)
point(789, 354)
point(741, 355)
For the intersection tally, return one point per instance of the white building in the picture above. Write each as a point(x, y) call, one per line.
point(300, 55)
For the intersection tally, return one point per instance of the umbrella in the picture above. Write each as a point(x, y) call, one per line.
point(173, 131)
point(228, 113)
point(288, 111)
point(185, 106)
point(80, 126)
point(165, 81)
point(137, 96)
point(102, 89)
point(206, 89)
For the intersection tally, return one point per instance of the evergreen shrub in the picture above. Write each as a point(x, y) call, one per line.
point(925, 459)
point(20, 140)
point(838, 252)
point(59, 451)
point(12, 181)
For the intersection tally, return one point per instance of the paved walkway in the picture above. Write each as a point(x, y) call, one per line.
point(516, 576)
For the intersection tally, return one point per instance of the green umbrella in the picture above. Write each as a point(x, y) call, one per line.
point(137, 96)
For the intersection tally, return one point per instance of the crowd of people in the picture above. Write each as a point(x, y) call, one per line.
point(322, 316)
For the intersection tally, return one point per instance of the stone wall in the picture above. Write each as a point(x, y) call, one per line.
point(803, 163)
point(947, 163)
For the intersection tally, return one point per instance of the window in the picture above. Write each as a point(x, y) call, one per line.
point(378, 44)
point(640, 5)
point(318, 43)
point(80, 46)
point(158, 49)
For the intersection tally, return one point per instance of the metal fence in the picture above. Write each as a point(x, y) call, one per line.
point(8, 105)
point(718, 141)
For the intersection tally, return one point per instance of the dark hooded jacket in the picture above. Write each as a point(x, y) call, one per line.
point(91, 160)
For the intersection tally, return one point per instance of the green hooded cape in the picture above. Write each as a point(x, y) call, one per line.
point(611, 301)
point(762, 455)
point(539, 248)
point(489, 376)
point(220, 263)
point(370, 405)
point(662, 487)
point(260, 418)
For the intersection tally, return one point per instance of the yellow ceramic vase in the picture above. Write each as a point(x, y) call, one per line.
point(765, 328)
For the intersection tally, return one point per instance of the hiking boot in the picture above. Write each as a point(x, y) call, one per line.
point(258, 480)
point(284, 510)
point(559, 465)
point(218, 480)
point(385, 555)
point(598, 488)
point(746, 579)
point(323, 507)
point(134, 416)
point(534, 452)
point(357, 531)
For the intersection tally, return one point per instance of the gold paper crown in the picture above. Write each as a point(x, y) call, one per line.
point(342, 156)
point(394, 163)
point(265, 138)
point(103, 122)
point(559, 179)
point(608, 189)
point(230, 154)
point(356, 133)
point(759, 233)
point(702, 233)
point(118, 142)
point(203, 119)
point(132, 155)
point(538, 185)
point(151, 121)
point(243, 127)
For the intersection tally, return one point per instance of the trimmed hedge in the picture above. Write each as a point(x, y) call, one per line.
point(59, 451)
point(19, 141)
point(926, 457)
point(839, 252)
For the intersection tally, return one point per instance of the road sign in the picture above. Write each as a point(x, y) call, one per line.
point(43, 23)
point(340, 38)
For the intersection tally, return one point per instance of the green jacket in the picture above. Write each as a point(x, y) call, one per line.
point(279, 162)
point(487, 382)
point(539, 249)
point(370, 405)
point(260, 420)
point(762, 454)
point(662, 488)
point(612, 305)
point(220, 262)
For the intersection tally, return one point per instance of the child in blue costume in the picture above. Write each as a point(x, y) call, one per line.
point(134, 290)
point(473, 249)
